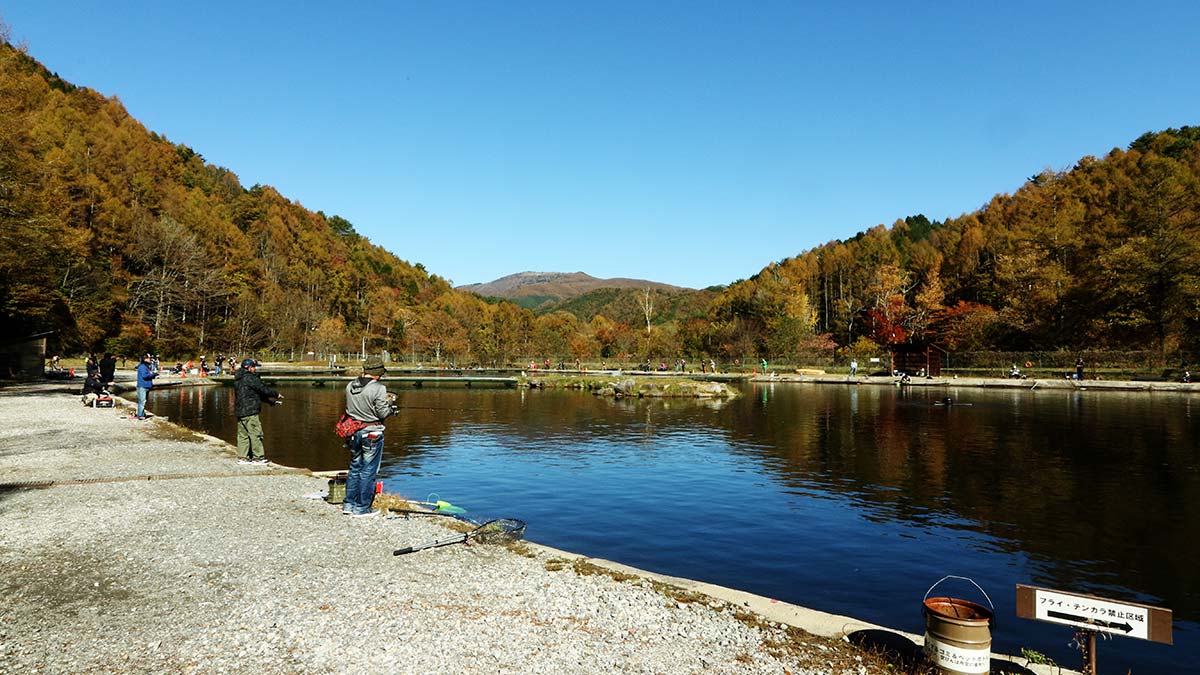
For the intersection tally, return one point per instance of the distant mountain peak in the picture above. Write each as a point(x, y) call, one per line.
point(534, 289)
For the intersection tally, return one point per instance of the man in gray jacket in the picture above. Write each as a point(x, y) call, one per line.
point(367, 401)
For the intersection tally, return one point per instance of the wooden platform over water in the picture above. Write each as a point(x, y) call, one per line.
point(318, 380)
point(486, 377)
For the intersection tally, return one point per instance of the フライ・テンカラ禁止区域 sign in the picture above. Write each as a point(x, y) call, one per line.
point(1089, 612)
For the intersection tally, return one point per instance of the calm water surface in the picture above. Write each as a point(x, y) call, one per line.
point(848, 499)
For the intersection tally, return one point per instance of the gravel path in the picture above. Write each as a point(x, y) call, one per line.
point(237, 571)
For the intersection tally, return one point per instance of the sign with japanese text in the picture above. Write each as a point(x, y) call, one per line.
point(1092, 613)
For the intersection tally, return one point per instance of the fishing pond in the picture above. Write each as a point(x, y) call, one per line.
point(851, 499)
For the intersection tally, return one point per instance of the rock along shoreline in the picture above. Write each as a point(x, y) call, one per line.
point(143, 547)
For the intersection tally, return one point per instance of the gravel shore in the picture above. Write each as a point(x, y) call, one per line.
point(141, 547)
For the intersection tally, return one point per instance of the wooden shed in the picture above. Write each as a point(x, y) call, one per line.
point(918, 359)
point(24, 356)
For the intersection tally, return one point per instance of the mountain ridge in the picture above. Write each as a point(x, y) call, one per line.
point(114, 238)
point(540, 289)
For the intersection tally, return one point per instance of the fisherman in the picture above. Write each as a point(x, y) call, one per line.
point(145, 380)
point(249, 394)
point(108, 369)
point(93, 388)
point(368, 402)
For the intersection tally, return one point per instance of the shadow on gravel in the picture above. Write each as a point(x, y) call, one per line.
point(9, 489)
point(47, 389)
point(892, 647)
point(999, 666)
point(908, 655)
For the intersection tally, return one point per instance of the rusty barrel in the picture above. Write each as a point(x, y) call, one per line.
point(958, 633)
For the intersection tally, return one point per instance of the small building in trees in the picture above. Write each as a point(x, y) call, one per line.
point(23, 357)
point(915, 359)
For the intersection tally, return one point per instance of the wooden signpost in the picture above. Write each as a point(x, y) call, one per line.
point(1093, 614)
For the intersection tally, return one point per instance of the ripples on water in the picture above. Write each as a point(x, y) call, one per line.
point(849, 499)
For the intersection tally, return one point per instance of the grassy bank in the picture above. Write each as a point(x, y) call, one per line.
point(608, 384)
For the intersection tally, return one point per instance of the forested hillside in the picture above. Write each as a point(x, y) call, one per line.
point(1102, 256)
point(117, 238)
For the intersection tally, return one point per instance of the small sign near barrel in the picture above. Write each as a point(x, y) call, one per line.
point(1090, 615)
point(1090, 612)
point(958, 633)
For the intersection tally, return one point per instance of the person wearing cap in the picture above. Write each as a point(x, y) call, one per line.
point(93, 388)
point(367, 401)
point(249, 392)
point(145, 380)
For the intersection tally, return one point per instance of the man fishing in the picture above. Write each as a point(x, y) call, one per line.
point(249, 393)
point(145, 381)
point(368, 402)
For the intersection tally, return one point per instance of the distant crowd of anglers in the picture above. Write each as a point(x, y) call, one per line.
point(361, 426)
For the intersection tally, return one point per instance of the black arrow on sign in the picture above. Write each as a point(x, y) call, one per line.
point(1095, 622)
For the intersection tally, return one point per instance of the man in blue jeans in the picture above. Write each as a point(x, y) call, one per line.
point(145, 380)
point(367, 401)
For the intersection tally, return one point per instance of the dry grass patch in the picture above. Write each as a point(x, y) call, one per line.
point(174, 432)
point(392, 503)
point(520, 548)
point(389, 502)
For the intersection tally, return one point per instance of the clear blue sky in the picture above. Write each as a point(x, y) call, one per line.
point(685, 142)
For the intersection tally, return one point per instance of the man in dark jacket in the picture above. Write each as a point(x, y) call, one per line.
point(93, 389)
point(367, 401)
point(249, 394)
point(108, 369)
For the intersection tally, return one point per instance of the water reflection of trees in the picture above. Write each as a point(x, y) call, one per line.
point(1094, 487)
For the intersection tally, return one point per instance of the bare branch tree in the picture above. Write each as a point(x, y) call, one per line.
point(172, 266)
point(647, 305)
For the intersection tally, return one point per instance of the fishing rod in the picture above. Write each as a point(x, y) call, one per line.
point(439, 506)
point(330, 407)
point(422, 407)
point(416, 512)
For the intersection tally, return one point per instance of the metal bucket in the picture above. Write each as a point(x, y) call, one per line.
point(337, 489)
point(958, 633)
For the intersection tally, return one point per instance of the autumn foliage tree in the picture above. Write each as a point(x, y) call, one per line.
point(113, 236)
point(1101, 255)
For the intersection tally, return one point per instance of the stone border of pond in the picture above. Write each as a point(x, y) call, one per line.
point(982, 382)
point(143, 547)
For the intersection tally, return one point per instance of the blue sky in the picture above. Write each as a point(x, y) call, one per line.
point(685, 142)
